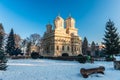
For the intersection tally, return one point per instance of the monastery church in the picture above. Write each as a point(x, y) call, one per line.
point(61, 38)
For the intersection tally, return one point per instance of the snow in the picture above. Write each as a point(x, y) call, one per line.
point(117, 58)
point(45, 69)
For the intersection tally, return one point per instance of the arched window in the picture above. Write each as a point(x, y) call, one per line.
point(68, 48)
point(57, 47)
point(63, 48)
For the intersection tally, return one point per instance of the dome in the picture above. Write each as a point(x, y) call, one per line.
point(70, 18)
point(59, 18)
point(49, 25)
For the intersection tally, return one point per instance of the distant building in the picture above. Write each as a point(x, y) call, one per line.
point(101, 47)
point(98, 49)
point(61, 39)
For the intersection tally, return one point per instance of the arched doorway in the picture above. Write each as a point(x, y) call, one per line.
point(65, 54)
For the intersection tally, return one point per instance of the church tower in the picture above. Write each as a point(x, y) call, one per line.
point(59, 22)
point(70, 26)
point(70, 22)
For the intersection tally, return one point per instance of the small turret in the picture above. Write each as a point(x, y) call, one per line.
point(49, 28)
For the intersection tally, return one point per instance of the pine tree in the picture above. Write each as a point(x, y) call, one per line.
point(111, 39)
point(85, 46)
point(1, 36)
point(10, 47)
point(3, 59)
point(93, 47)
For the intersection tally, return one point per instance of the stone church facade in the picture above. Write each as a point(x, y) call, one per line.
point(63, 38)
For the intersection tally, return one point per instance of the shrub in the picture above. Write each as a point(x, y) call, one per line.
point(109, 58)
point(81, 58)
point(65, 55)
point(40, 56)
point(34, 55)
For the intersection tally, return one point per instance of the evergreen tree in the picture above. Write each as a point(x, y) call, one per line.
point(1, 36)
point(85, 46)
point(3, 59)
point(93, 47)
point(18, 51)
point(111, 39)
point(10, 47)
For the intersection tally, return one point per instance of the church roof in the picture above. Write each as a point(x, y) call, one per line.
point(59, 18)
point(70, 18)
point(48, 24)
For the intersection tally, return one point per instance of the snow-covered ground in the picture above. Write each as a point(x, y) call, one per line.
point(44, 69)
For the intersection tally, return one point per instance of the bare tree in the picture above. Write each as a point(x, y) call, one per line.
point(32, 43)
point(35, 39)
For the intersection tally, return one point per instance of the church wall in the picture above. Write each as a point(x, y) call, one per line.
point(60, 42)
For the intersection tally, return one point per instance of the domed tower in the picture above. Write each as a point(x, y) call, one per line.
point(70, 26)
point(70, 22)
point(49, 28)
point(59, 22)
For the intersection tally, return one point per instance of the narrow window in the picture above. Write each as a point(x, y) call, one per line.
point(68, 48)
point(63, 48)
point(57, 47)
point(72, 48)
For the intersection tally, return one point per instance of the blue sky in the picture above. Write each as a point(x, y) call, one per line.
point(31, 16)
